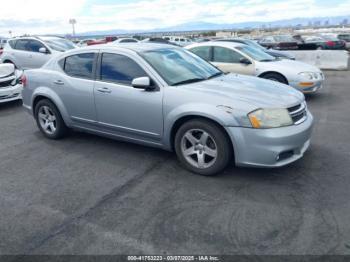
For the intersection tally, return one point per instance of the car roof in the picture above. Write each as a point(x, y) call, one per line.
point(136, 47)
point(218, 43)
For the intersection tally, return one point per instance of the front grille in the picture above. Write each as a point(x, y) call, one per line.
point(298, 113)
point(6, 83)
point(9, 97)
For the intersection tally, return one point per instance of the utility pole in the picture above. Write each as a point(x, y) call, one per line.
point(73, 23)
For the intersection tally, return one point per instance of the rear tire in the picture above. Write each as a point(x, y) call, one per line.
point(275, 77)
point(49, 120)
point(203, 147)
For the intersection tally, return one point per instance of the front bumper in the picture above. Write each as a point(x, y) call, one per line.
point(273, 147)
point(309, 89)
point(10, 93)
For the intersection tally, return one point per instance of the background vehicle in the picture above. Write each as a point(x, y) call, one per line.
point(125, 40)
point(180, 41)
point(272, 52)
point(33, 52)
point(325, 42)
point(3, 42)
point(166, 97)
point(346, 39)
point(247, 60)
point(279, 42)
point(105, 40)
point(10, 83)
point(85, 42)
point(158, 40)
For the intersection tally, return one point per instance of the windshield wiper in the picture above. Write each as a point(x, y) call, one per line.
point(189, 81)
point(267, 60)
point(215, 75)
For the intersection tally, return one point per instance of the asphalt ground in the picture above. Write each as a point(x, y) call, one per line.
point(91, 195)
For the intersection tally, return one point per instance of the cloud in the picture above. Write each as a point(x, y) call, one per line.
point(51, 16)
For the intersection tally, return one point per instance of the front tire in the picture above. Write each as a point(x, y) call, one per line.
point(203, 147)
point(49, 120)
point(275, 77)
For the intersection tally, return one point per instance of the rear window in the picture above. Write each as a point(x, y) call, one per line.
point(80, 65)
point(22, 44)
point(12, 43)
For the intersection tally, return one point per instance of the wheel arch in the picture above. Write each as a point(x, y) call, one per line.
point(53, 98)
point(274, 72)
point(183, 119)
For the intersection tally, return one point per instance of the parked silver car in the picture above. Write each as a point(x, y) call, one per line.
point(33, 52)
point(243, 59)
point(167, 97)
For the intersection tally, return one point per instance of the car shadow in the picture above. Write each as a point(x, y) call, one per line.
point(10, 105)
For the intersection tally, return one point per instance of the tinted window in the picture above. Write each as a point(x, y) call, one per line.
point(120, 69)
point(128, 41)
point(21, 44)
point(34, 46)
point(202, 51)
point(225, 55)
point(12, 43)
point(80, 65)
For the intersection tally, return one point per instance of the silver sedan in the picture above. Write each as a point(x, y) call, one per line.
point(167, 97)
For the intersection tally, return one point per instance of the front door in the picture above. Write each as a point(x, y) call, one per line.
point(229, 61)
point(122, 109)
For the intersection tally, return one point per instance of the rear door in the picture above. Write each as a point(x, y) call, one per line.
point(75, 85)
point(228, 60)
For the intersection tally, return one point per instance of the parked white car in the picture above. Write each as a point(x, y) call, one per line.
point(247, 60)
point(180, 41)
point(10, 83)
point(33, 52)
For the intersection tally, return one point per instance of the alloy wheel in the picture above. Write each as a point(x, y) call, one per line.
point(199, 148)
point(47, 120)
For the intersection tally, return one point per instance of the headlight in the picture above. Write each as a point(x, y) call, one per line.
point(309, 75)
point(270, 118)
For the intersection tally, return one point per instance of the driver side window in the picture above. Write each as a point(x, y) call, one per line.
point(225, 55)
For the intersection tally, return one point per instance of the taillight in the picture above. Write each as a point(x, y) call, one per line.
point(24, 80)
point(330, 43)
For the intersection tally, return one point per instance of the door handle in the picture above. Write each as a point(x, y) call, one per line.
point(104, 90)
point(59, 82)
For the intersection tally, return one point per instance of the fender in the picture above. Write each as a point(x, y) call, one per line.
point(50, 94)
point(214, 113)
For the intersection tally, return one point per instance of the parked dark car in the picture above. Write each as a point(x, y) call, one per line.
point(325, 42)
point(274, 53)
point(279, 42)
point(158, 40)
point(346, 39)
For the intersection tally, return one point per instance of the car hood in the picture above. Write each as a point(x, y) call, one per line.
point(286, 67)
point(252, 91)
point(6, 70)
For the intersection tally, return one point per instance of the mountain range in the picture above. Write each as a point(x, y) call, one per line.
point(197, 26)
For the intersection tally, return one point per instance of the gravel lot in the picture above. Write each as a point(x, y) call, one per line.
point(91, 195)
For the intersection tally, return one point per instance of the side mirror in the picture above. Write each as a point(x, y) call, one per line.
point(43, 50)
point(142, 83)
point(245, 61)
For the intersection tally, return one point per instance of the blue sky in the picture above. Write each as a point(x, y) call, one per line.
point(51, 16)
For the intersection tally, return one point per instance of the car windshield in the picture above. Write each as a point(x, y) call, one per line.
point(60, 45)
point(255, 44)
point(177, 66)
point(283, 38)
point(256, 54)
